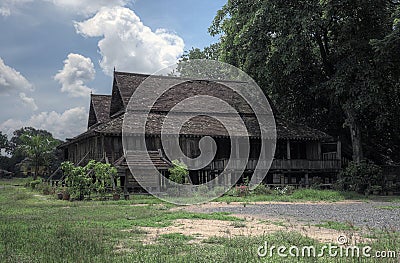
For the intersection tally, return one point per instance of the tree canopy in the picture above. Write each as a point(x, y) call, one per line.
point(331, 64)
point(3, 141)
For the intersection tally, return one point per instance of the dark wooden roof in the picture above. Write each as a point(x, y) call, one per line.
point(125, 84)
point(138, 158)
point(99, 109)
point(204, 125)
point(123, 87)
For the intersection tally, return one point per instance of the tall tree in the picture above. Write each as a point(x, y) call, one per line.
point(3, 141)
point(38, 148)
point(317, 59)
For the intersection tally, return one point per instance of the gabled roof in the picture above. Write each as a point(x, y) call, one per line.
point(125, 84)
point(109, 110)
point(99, 109)
point(203, 126)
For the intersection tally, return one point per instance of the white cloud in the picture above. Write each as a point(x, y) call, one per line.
point(62, 125)
point(5, 11)
point(11, 80)
point(81, 7)
point(88, 7)
point(128, 44)
point(6, 6)
point(29, 102)
point(76, 72)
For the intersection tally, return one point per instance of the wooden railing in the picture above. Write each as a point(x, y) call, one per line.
point(306, 165)
point(279, 164)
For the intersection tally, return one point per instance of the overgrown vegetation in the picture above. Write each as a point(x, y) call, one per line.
point(327, 64)
point(287, 194)
point(361, 178)
point(37, 229)
point(95, 177)
point(178, 172)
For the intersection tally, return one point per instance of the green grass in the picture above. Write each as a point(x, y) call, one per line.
point(337, 225)
point(389, 207)
point(300, 195)
point(16, 181)
point(42, 229)
point(176, 237)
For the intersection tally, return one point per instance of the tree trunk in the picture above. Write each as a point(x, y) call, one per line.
point(355, 133)
point(36, 168)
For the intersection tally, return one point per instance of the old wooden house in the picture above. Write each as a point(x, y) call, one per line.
point(303, 155)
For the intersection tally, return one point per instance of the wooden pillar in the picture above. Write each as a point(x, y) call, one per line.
point(307, 180)
point(339, 150)
point(237, 148)
point(319, 151)
point(102, 145)
point(96, 149)
point(288, 149)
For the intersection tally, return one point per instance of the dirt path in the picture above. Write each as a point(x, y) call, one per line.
point(253, 224)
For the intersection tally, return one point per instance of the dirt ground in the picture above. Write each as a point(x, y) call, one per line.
point(251, 226)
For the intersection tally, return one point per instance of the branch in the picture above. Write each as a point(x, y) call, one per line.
point(394, 2)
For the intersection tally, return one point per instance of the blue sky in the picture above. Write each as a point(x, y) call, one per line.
point(53, 53)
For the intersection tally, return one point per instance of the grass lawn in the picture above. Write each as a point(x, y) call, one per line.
point(34, 228)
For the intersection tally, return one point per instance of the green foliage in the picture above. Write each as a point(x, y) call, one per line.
point(37, 230)
point(283, 194)
point(323, 63)
point(317, 195)
point(34, 183)
point(3, 141)
point(95, 176)
point(176, 237)
point(337, 225)
point(38, 148)
point(45, 188)
point(193, 70)
point(286, 190)
point(178, 172)
point(262, 189)
point(360, 177)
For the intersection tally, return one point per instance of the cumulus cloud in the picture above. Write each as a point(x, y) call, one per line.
point(76, 72)
point(29, 102)
point(88, 7)
point(62, 125)
point(128, 44)
point(11, 80)
point(82, 7)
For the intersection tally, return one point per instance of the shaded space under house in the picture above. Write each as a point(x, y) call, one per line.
point(303, 155)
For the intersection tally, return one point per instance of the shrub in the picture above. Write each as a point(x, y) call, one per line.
point(262, 189)
point(95, 176)
point(360, 177)
point(178, 172)
point(34, 183)
point(287, 190)
point(45, 188)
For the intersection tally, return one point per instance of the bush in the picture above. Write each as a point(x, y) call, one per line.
point(262, 189)
point(287, 190)
point(178, 172)
point(317, 195)
point(34, 183)
point(45, 188)
point(360, 177)
point(95, 176)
